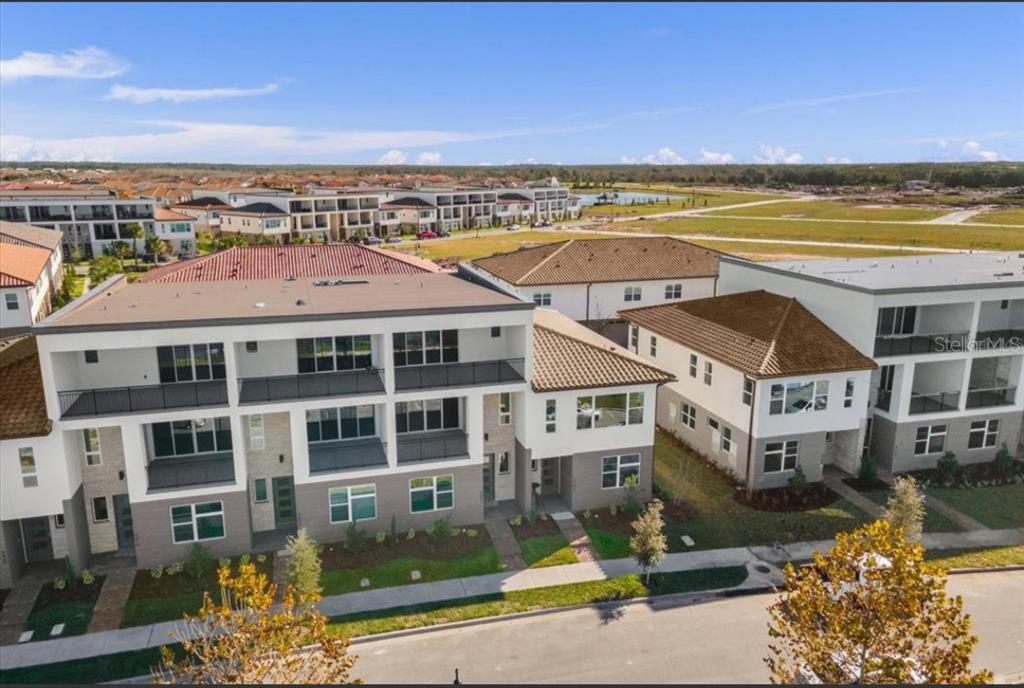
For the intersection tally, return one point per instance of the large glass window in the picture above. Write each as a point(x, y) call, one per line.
point(615, 470)
point(781, 456)
point(322, 354)
point(608, 410)
point(632, 294)
point(674, 291)
point(197, 522)
point(425, 348)
point(432, 414)
point(895, 321)
point(984, 433)
point(688, 415)
point(185, 363)
point(355, 503)
point(798, 397)
point(930, 439)
point(187, 437)
point(431, 494)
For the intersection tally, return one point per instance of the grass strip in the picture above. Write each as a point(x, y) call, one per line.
point(547, 550)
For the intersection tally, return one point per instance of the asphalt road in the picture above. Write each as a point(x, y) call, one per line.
point(721, 641)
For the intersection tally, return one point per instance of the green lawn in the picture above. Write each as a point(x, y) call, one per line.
point(638, 209)
point(836, 210)
point(996, 507)
point(547, 550)
point(398, 571)
point(1009, 216)
point(982, 557)
point(934, 522)
point(74, 615)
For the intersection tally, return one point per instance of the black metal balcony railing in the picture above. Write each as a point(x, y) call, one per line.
point(884, 399)
point(901, 345)
point(432, 446)
point(114, 400)
point(992, 396)
point(459, 374)
point(934, 402)
point(999, 339)
point(198, 469)
point(310, 385)
point(343, 455)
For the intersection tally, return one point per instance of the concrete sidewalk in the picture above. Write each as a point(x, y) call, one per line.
point(141, 637)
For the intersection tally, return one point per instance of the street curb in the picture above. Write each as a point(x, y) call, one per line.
point(989, 569)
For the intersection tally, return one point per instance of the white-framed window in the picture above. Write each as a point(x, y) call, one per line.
point(634, 338)
point(616, 469)
point(91, 446)
point(674, 291)
point(707, 372)
point(100, 513)
point(259, 491)
point(505, 408)
point(728, 446)
point(688, 415)
point(27, 461)
point(693, 365)
point(504, 463)
point(542, 298)
point(433, 493)
point(654, 345)
point(930, 439)
point(550, 415)
point(748, 391)
point(256, 438)
point(781, 456)
point(848, 393)
point(58, 521)
point(984, 433)
point(197, 522)
point(11, 301)
point(798, 397)
point(632, 293)
point(609, 410)
point(354, 503)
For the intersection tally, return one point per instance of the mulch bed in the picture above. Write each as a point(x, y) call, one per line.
point(786, 499)
point(4, 592)
point(603, 519)
point(539, 527)
point(335, 555)
point(183, 583)
point(49, 595)
point(969, 475)
point(861, 486)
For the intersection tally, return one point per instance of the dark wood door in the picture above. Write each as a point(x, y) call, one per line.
point(284, 501)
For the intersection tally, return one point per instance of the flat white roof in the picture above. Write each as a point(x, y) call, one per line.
point(905, 273)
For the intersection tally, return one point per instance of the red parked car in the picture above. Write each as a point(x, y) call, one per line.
point(427, 234)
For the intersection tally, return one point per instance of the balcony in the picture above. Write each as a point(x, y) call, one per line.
point(188, 471)
point(459, 374)
point(344, 455)
point(433, 445)
point(256, 390)
point(993, 396)
point(902, 345)
point(999, 339)
point(934, 402)
point(109, 401)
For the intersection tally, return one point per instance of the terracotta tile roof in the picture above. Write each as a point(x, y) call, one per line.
point(166, 214)
point(20, 266)
point(29, 235)
point(296, 260)
point(581, 261)
point(759, 333)
point(566, 355)
point(22, 405)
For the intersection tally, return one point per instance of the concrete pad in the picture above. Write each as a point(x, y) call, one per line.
point(415, 575)
point(364, 582)
point(688, 541)
point(562, 516)
point(25, 637)
point(58, 629)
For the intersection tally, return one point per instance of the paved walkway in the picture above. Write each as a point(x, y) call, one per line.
point(833, 479)
point(109, 609)
point(961, 519)
point(22, 597)
point(572, 529)
point(504, 540)
point(128, 639)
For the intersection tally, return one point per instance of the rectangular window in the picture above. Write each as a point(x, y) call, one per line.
point(748, 391)
point(984, 433)
point(252, 347)
point(495, 332)
point(707, 372)
point(256, 439)
point(324, 354)
point(896, 321)
point(616, 469)
point(12, 301)
point(425, 348)
point(187, 437)
point(798, 397)
point(99, 510)
point(58, 521)
point(654, 345)
point(634, 338)
point(693, 365)
point(542, 298)
point(504, 463)
point(505, 408)
point(848, 393)
point(781, 456)
point(91, 356)
point(27, 460)
point(347, 422)
point(355, 503)
point(673, 291)
point(609, 410)
point(197, 522)
point(185, 363)
point(550, 409)
point(91, 446)
point(431, 494)
point(930, 439)
point(728, 445)
point(259, 490)
point(433, 414)
point(688, 415)
point(632, 294)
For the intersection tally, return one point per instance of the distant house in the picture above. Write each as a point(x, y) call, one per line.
point(177, 229)
point(205, 210)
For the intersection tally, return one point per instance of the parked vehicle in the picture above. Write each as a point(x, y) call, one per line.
point(427, 234)
point(371, 240)
point(514, 228)
point(394, 239)
point(443, 233)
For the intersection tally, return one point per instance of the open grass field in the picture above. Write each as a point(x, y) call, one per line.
point(1010, 216)
point(934, 522)
point(1000, 506)
point(638, 210)
point(689, 199)
point(836, 210)
point(946, 236)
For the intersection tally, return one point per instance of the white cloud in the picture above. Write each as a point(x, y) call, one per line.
point(84, 63)
point(811, 102)
point(710, 157)
point(833, 160)
point(428, 158)
point(627, 160)
point(393, 157)
point(974, 148)
point(775, 155)
point(664, 156)
point(185, 95)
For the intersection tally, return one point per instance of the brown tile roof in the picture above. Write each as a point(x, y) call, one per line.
point(205, 203)
point(20, 266)
point(165, 214)
point(580, 261)
point(759, 333)
point(29, 235)
point(22, 405)
point(566, 355)
point(297, 260)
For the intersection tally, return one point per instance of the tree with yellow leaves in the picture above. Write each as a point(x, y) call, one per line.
point(246, 639)
point(870, 611)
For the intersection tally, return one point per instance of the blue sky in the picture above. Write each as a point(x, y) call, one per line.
point(471, 84)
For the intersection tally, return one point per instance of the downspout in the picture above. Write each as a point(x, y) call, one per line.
point(589, 285)
point(750, 443)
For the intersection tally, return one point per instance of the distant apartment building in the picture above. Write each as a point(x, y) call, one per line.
point(177, 229)
point(591, 280)
point(205, 210)
point(31, 272)
point(236, 410)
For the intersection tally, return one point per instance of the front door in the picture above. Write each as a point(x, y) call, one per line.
point(35, 533)
point(549, 476)
point(488, 479)
point(123, 521)
point(284, 502)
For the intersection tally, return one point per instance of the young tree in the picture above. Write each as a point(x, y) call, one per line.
point(304, 568)
point(648, 544)
point(870, 611)
point(133, 231)
point(245, 639)
point(905, 508)
point(102, 269)
point(157, 246)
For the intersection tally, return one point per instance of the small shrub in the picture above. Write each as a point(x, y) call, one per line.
point(798, 481)
point(355, 539)
point(87, 577)
point(380, 537)
point(440, 530)
point(1004, 461)
point(199, 561)
point(454, 532)
point(586, 515)
point(905, 508)
point(948, 467)
point(531, 514)
point(613, 510)
point(304, 568)
point(59, 584)
point(472, 532)
point(224, 562)
point(175, 568)
point(516, 521)
point(244, 559)
point(868, 473)
point(411, 534)
point(631, 503)
point(261, 558)
point(156, 572)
